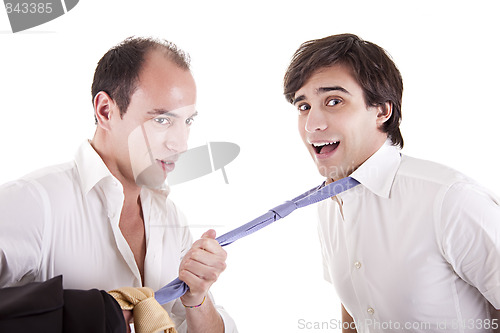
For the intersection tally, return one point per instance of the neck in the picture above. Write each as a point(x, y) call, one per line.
point(107, 153)
point(334, 176)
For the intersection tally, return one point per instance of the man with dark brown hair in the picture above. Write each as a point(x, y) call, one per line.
point(414, 247)
point(104, 220)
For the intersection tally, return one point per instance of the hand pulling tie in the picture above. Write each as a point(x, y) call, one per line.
point(177, 288)
point(149, 315)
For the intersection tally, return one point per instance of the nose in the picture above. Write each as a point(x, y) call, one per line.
point(176, 139)
point(316, 120)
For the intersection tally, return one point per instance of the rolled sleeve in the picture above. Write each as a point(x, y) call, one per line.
point(229, 324)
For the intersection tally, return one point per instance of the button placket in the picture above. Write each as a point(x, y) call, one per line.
point(340, 203)
point(357, 268)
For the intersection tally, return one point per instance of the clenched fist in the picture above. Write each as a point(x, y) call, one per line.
point(201, 267)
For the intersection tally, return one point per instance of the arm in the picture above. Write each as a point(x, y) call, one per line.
point(45, 306)
point(22, 218)
point(470, 234)
point(200, 268)
point(346, 318)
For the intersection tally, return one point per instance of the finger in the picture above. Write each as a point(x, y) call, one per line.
point(196, 284)
point(208, 258)
point(204, 271)
point(209, 234)
point(208, 269)
point(209, 245)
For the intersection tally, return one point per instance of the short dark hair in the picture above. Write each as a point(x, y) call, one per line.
point(370, 65)
point(118, 70)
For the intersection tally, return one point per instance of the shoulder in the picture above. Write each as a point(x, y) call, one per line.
point(36, 181)
point(453, 190)
point(454, 183)
point(58, 174)
point(429, 172)
point(53, 183)
point(465, 199)
point(461, 206)
point(16, 196)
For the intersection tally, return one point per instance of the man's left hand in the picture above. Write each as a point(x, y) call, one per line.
point(201, 267)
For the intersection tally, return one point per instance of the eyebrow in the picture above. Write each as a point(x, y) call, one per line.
point(164, 112)
point(320, 91)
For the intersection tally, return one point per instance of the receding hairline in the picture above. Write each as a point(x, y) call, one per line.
point(166, 54)
point(171, 52)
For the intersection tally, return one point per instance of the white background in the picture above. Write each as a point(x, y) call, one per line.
point(447, 52)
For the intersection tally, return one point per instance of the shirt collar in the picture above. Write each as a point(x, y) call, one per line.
point(377, 173)
point(92, 169)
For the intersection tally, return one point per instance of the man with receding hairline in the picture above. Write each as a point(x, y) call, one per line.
point(104, 220)
point(416, 246)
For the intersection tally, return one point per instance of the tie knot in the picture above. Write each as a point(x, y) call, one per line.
point(284, 209)
point(149, 315)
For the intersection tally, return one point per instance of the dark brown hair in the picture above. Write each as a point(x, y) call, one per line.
point(118, 70)
point(370, 65)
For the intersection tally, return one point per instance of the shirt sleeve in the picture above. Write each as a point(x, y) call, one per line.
point(471, 237)
point(21, 229)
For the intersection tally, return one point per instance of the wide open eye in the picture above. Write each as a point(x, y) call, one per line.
point(303, 107)
point(333, 102)
point(190, 121)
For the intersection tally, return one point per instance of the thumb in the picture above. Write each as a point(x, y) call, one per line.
point(209, 234)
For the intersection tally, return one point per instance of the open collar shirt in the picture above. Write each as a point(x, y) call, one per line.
point(65, 220)
point(415, 247)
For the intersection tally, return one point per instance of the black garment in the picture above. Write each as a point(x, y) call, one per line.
point(46, 307)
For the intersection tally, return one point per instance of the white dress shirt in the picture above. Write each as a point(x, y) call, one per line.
point(64, 220)
point(415, 247)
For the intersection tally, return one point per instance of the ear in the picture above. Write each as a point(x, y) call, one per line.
point(104, 108)
point(384, 112)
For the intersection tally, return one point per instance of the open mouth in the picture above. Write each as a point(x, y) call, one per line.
point(325, 147)
point(166, 165)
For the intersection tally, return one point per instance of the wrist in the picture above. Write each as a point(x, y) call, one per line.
point(191, 300)
point(194, 305)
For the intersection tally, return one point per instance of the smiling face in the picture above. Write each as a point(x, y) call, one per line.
point(335, 124)
point(154, 130)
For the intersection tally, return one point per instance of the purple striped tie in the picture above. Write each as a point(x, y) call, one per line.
point(177, 288)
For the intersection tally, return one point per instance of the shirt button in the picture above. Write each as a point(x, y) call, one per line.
point(357, 264)
point(370, 311)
